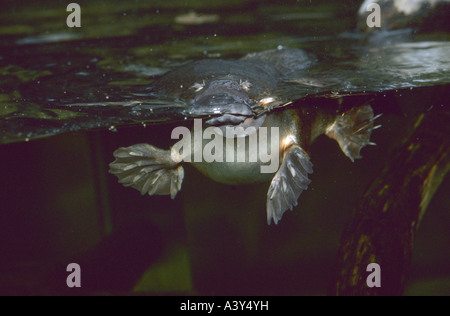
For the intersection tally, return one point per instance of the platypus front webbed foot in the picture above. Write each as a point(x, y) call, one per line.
point(289, 182)
point(352, 130)
point(148, 169)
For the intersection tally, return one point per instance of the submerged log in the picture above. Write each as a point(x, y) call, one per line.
point(389, 213)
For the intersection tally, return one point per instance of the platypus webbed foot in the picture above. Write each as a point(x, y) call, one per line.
point(148, 169)
point(352, 130)
point(289, 182)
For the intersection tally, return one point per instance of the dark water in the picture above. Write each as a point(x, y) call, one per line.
point(58, 79)
point(60, 206)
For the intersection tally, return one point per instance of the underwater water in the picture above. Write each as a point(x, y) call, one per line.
point(62, 92)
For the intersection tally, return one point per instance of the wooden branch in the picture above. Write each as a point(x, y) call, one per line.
point(390, 211)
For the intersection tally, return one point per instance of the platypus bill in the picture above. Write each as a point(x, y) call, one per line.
point(234, 89)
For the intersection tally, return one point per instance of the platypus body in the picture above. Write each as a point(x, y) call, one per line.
point(231, 92)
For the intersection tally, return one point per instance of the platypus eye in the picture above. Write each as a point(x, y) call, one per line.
point(198, 86)
point(245, 85)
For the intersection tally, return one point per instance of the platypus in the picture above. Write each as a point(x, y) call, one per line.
point(233, 94)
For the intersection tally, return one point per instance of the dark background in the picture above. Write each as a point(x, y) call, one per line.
point(59, 205)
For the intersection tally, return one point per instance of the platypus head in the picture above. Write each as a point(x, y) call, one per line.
point(226, 99)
